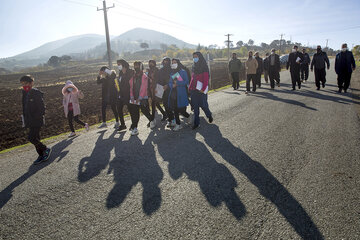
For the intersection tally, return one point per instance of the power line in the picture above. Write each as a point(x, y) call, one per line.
point(80, 3)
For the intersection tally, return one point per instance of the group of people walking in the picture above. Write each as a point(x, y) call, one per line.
point(173, 86)
point(298, 63)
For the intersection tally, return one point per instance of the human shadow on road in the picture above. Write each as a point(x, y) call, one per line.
point(319, 95)
point(268, 95)
point(267, 184)
point(57, 152)
point(188, 156)
point(135, 163)
point(90, 167)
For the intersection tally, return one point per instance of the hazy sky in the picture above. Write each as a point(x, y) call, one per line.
point(26, 24)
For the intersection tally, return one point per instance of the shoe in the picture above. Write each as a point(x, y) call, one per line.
point(318, 88)
point(293, 89)
point(87, 127)
point(38, 160)
point(103, 125)
point(339, 90)
point(299, 86)
point(345, 90)
point(272, 88)
point(254, 90)
point(246, 92)
point(278, 84)
point(323, 85)
point(134, 132)
point(117, 124)
point(153, 124)
point(46, 155)
point(211, 119)
point(177, 127)
point(171, 124)
point(121, 127)
point(195, 127)
point(72, 134)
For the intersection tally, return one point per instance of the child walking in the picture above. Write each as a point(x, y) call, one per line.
point(71, 105)
point(33, 116)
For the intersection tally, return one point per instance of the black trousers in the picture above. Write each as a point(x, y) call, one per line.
point(120, 109)
point(304, 71)
point(155, 103)
point(295, 77)
point(114, 108)
point(236, 80)
point(165, 100)
point(344, 80)
point(181, 111)
point(76, 119)
point(258, 79)
point(274, 75)
point(34, 138)
point(251, 77)
point(135, 113)
point(320, 76)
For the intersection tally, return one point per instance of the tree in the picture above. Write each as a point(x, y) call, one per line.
point(163, 47)
point(54, 61)
point(65, 58)
point(144, 45)
point(198, 48)
point(251, 42)
point(239, 44)
point(113, 55)
point(264, 46)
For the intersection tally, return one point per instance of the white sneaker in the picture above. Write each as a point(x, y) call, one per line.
point(246, 92)
point(177, 128)
point(153, 124)
point(72, 134)
point(87, 127)
point(171, 124)
point(103, 125)
point(134, 132)
point(117, 124)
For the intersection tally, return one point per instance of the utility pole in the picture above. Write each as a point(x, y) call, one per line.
point(208, 60)
point(107, 31)
point(327, 41)
point(228, 44)
point(281, 36)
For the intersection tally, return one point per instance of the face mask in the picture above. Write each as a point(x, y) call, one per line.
point(69, 89)
point(344, 49)
point(272, 53)
point(161, 66)
point(196, 60)
point(27, 88)
point(318, 50)
point(294, 50)
point(174, 66)
point(120, 67)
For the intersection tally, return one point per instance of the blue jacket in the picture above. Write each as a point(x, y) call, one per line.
point(350, 62)
point(181, 83)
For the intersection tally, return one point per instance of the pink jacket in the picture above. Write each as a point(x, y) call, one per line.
point(202, 77)
point(143, 89)
point(72, 97)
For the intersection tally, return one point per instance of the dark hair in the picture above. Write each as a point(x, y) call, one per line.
point(152, 61)
point(295, 46)
point(27, 79)
point(140, 64)
point(103, 68)
point(123, 63)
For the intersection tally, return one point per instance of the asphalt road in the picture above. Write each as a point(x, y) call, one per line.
point(273, 165)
